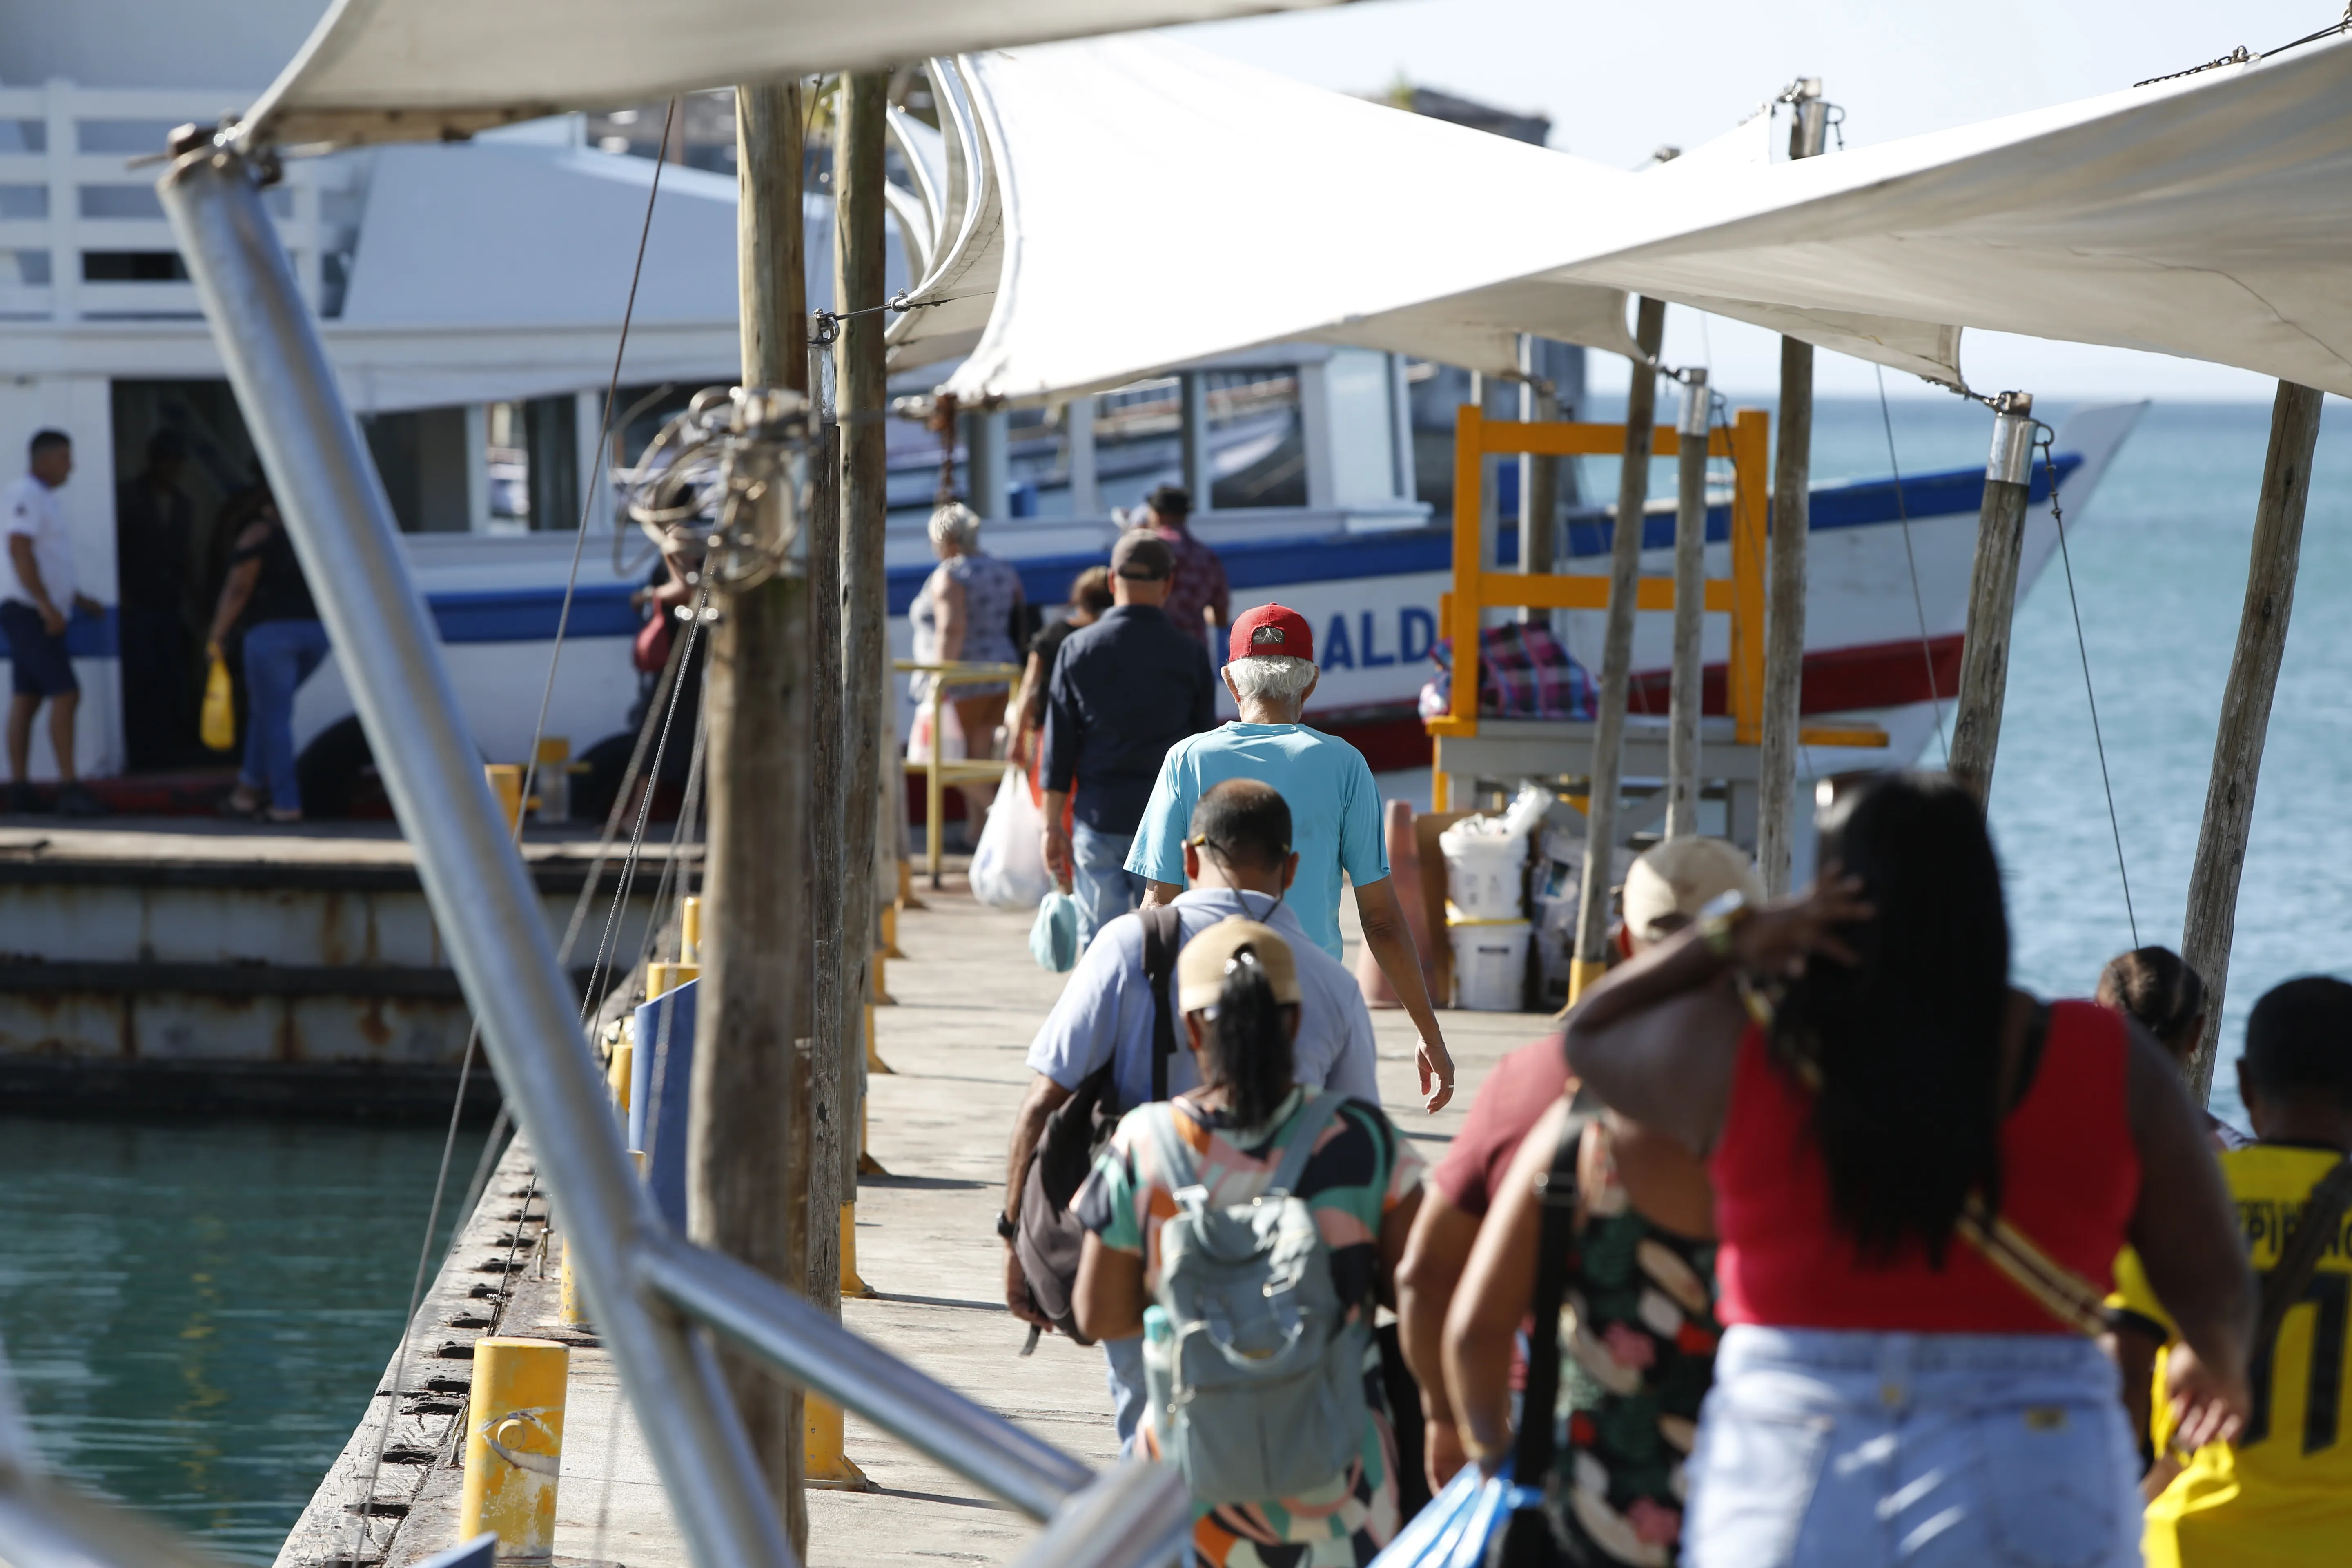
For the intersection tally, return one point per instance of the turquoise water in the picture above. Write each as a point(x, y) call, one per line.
point(196, 1314)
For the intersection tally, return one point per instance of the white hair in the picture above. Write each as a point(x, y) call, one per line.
point(955, 524)
point(1271, 678)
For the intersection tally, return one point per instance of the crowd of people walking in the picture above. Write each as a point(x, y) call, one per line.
point(1808, 1238)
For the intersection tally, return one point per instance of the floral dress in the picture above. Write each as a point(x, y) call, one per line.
point(1637, 1337)
point(991, 588)
point(1361, 1170)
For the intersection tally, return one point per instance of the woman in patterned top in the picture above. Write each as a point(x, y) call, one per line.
point(964, 611)
point(1238, 987)
point(1636, 1334)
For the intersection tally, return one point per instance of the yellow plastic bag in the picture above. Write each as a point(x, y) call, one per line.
point(219, 723)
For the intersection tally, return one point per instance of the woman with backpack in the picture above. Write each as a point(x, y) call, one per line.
point(1923, 1178)
point(1247, 1229)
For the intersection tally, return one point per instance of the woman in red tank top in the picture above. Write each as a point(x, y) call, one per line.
point(1922, 1178)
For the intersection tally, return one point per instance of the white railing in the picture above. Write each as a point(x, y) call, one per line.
point(82, 236)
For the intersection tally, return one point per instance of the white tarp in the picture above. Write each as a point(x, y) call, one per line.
point(425, 71)
point(1160, 206)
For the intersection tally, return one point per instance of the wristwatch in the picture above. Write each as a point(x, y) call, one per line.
point(1007, 1229)
point(1720, 919)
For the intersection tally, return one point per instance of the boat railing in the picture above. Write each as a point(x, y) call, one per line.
point(938, 769)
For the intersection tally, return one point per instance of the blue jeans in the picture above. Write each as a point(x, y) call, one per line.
point(1100, 881)
point(280, 655)
point(1127, 1396)
point(1841, 1449)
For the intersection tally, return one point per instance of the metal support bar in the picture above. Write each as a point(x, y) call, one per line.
point(489, 915)
point(1992, 595)
point(1687, 689)
point(1137, 1516)
point(1193, 425)
point(812, 1349)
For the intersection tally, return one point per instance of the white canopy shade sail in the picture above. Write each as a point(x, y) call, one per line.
point(428, 70)
point(1158, 205)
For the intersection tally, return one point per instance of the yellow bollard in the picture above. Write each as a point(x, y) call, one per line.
point(868, 1165)
point(874, 1062)
point(830, 1469)
point(506, 784)
point(890, 932)
point(572, 1311)
point(853, 1285)
point(616, 1074)
point(690, 928)
point(514, 1447)
point(661, 978)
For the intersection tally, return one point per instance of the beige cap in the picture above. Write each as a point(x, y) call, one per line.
point(1680, 878)
point(1201, 967)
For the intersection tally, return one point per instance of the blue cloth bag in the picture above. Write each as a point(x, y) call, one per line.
point(1053, 936)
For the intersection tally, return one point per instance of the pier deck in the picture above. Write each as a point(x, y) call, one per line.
point(968, 1002)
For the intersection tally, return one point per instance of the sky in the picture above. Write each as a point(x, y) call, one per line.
point(1618, 81)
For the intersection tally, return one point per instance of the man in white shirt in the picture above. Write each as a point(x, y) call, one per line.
point(37, 594)
point(1239, 861)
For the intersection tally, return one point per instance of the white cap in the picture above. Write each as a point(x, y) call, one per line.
point(1680, 878)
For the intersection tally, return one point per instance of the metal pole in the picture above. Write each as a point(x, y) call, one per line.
point(1688, 692)
point(1085, 477)
point(867, 736)
point(1617, 654)
point(1192, 431)
point(1785, 568)
point(2276, 552)
point(1539, 478)
point(747, 1131)
point(1993, 594)
point(486, 910)
point(934, 797)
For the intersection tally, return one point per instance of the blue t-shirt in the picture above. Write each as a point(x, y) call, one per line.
point(1335, 811)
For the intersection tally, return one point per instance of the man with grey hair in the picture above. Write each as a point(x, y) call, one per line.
point(1335, 810)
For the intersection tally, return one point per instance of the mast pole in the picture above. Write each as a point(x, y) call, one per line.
point(1993, 594)
point(2222, 837)
point(1687, 692)
point(1617, 654)
point(747, 1142)
point(1538, 474)
point(1785, 561)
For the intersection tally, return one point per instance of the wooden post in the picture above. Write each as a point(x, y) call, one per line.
point(1993, 594)
point(2222, 837)
point(1687, 692)
point(868, 736)
point(742, 1120)
point(1785, 565)
point(1539, 478)
point(828, 894)
point(1617, 654)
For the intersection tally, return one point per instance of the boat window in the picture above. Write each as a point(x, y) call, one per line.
point(23, 201)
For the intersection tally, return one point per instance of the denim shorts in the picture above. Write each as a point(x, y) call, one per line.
point(1838, 1450)
point(38, 665)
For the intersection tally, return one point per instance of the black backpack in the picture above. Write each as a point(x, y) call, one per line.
point(1050, 1236)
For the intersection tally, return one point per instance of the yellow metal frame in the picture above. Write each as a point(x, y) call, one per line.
point(939, 773)
point(1477, 589)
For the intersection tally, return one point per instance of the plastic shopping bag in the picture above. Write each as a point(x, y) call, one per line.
point(219, 727)
point(1008, 868)
point(1053, 936)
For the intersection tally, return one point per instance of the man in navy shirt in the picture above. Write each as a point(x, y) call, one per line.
point(1123, 691)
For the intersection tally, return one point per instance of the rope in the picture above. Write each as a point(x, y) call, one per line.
point(2115, 824)
point(531, 769)
point(1911, 560)
point(2242, 55)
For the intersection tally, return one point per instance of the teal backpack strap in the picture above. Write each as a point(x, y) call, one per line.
point(1307, 1124)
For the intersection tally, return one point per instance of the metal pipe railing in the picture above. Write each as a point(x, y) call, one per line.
point(1137, 1516)
point(812, 1349)
point(938, 771)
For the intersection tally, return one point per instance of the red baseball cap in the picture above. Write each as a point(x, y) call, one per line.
point(1272, 629)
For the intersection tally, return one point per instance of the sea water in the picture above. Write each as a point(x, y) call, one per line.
point(196, 1314)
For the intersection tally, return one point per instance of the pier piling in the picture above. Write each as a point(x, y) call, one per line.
point(1686, 691)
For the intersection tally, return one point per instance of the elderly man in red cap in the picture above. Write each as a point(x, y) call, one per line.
point(1335, 811)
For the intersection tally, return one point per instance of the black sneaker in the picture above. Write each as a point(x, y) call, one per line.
point(74, 799)
point(24, 800)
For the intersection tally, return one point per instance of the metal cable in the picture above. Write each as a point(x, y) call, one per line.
point(2115, 824)
point(1918, 603)
point(531, 767)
